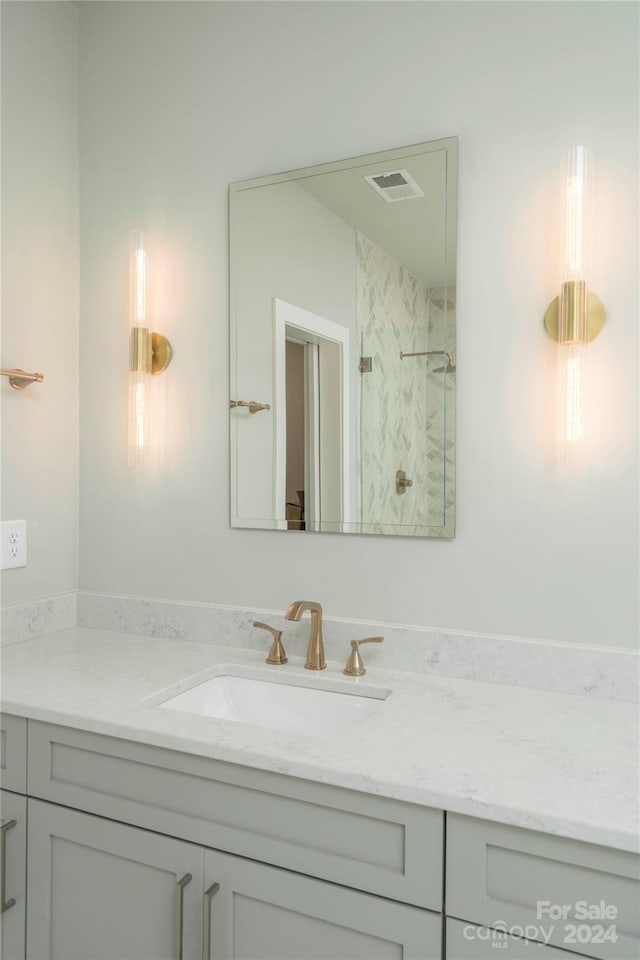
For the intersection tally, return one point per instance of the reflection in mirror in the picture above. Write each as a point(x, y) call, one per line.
point(343, 336)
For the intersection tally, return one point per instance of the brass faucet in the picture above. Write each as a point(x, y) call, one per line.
point(315, 650)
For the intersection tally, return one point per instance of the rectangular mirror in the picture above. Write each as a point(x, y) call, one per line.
point(343, 345)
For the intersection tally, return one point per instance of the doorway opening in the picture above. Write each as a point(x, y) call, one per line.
point(311, 420)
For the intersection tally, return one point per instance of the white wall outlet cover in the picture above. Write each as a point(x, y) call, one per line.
point(13, 537)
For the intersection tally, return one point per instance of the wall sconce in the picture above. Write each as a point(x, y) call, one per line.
point(150, 353)
point(577, 316)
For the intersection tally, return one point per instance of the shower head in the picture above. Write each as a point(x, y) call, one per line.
point(450, 367)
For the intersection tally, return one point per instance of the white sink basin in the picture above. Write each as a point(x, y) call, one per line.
point(289, 706)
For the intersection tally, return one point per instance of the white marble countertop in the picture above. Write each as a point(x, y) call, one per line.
point(563, 764)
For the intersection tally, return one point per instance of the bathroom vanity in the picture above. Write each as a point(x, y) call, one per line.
point(138, 850)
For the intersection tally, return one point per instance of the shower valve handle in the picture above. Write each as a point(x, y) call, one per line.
point(402, 482)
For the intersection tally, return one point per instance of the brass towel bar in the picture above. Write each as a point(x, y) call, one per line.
point(19, 379)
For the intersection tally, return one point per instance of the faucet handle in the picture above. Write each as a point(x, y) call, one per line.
point(355, 666)
point(277, 653)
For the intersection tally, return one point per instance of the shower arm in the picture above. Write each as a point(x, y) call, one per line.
point(429, 353)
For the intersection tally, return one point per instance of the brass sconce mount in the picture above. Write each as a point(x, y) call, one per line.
point(584, 314)
point(161, 353)
point(150, 352)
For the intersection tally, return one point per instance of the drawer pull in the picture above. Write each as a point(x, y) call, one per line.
point(180, 885)
point(5, 904)
point(206, 920)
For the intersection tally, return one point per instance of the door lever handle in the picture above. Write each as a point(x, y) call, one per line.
point(251, 404)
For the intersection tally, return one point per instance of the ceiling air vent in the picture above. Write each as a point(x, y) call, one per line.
point(395, 185)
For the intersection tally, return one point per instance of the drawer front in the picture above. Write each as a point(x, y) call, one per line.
point(465, 941)
point(586, 895)
point(13, 753)
point(370, 843)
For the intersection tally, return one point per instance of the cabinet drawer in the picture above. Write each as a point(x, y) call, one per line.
point(13, 753)
point(508, 877)
point(370, 843)
point(465, 941)
point(102, 889)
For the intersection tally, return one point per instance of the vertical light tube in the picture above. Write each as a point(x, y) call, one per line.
point(573, 341)
point(139, 352)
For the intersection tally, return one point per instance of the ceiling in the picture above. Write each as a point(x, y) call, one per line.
point(412, 231)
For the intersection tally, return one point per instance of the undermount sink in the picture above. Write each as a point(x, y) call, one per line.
point(287, 705)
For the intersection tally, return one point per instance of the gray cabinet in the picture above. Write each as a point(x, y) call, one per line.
point(100, 890)
point(269, 867)
point(586, 896)
point(342, 874)
point(366, 842)
point(13, 855)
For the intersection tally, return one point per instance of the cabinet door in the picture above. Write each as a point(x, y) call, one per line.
point(264, 913)
point(99, 890)
point(13, 855)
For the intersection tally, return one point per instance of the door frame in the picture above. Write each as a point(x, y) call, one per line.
point(313, 328)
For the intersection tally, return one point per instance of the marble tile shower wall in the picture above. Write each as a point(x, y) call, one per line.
point(404, 403)
point(440, 407)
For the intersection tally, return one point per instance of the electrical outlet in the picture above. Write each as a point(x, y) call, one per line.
point(13, 537)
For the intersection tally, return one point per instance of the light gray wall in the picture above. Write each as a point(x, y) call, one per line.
point(179, 99)
point(40, 262)
point(287, 245)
